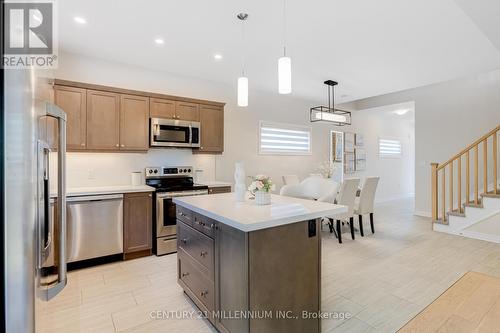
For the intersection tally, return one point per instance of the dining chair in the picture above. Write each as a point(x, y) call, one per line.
point(366, 202)
point(346, 197)
point(290, 179)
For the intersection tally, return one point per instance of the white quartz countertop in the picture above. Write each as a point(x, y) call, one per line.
point(214, 183)
point(247, 216)
point(79, 191)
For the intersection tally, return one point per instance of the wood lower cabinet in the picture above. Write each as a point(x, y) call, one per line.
point(134, 120)
point(212, 129)
point(74, 102)
point(162, 108)
point(137, 224)
point(103, 120)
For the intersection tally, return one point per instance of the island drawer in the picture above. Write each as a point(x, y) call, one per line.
point(198, 246)
point(195, 281)
point(205, 224)
point(185, 215)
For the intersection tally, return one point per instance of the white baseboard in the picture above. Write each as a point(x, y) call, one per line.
point(480, 236)
point(422, 213)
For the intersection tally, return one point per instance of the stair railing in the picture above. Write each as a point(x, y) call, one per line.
point(465, 154)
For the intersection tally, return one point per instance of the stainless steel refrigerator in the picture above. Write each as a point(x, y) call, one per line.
point(28, 231)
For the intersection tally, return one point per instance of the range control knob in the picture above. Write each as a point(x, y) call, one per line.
point(185, 170)
point(189, 170)
point(150, 171)
point(156, 171)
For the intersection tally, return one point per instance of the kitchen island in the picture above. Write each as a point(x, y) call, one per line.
point(252, 268)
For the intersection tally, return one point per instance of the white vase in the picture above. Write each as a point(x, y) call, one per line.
point(239, 182)
point(262, 198)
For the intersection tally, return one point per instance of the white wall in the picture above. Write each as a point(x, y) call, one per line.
point(448, 117)
point(241, 129)
point(397, 177)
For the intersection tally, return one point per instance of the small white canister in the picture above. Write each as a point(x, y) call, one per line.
point(136, 178)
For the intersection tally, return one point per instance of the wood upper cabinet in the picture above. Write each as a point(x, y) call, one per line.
point(73, 101)
point(162, 108)
point(134, 119)
point(212, 129)
point(103, 120)
point(187, 111)
point(137, 222)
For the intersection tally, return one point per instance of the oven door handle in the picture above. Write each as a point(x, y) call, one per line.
point(159, 212)
point(169, 195)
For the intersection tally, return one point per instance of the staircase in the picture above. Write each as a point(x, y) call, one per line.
point(466, 191)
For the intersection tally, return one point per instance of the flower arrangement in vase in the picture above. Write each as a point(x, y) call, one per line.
point(261, 187)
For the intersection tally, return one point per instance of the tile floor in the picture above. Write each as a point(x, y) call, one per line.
point(381, 281)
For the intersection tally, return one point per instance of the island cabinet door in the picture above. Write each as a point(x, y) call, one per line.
point(137, 227)
point(285, 261)
point(231, 278)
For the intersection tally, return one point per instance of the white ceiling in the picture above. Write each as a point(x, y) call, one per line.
point(370, 47)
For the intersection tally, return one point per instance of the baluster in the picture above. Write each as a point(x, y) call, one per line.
point(495, 164)
point(476, 176)
point(459, 189)
point(434, 189)
point(443, 193)
point(467, 179)
point(485, 166)
point(451, 187)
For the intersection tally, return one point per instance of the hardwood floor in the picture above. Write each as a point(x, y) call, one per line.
point(472, 304)
point(378, 282)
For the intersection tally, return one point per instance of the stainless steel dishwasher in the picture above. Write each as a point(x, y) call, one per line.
point(94, 226)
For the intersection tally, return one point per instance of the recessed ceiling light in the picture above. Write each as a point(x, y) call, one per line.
point(159, 41)
point(218, 56)
point(80, 20)
point(401, 112)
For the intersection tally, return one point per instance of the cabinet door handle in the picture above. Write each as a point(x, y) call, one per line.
point(203, 253)
point(185, 274)
point(184, 240)
point(204, 293)
point(213, 226)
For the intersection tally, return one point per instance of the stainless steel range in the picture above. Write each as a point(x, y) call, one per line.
point(169, 182)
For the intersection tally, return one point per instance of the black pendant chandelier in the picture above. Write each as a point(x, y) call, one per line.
point(330, 113)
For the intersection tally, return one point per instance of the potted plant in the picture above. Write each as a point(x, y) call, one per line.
point(261, 187)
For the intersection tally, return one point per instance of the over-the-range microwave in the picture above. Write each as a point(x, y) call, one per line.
point(174, 133)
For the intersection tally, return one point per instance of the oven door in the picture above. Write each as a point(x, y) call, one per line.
point(166, 224)
point(173, 133)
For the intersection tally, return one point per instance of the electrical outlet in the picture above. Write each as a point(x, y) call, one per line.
point(90, 174)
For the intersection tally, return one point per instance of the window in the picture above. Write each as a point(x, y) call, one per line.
point(389, 148)
point(283, 139)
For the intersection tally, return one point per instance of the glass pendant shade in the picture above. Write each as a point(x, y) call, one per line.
point(243, 91)
point(284, 75)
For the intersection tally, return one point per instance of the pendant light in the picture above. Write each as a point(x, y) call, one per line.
point(330, 113)
point(284, 63)
point(242, 80)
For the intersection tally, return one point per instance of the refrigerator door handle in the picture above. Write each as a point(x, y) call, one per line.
point(43, 206)
point(56, 112)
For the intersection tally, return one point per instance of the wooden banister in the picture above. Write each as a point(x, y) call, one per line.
point(469, 147)
point(436, 169)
